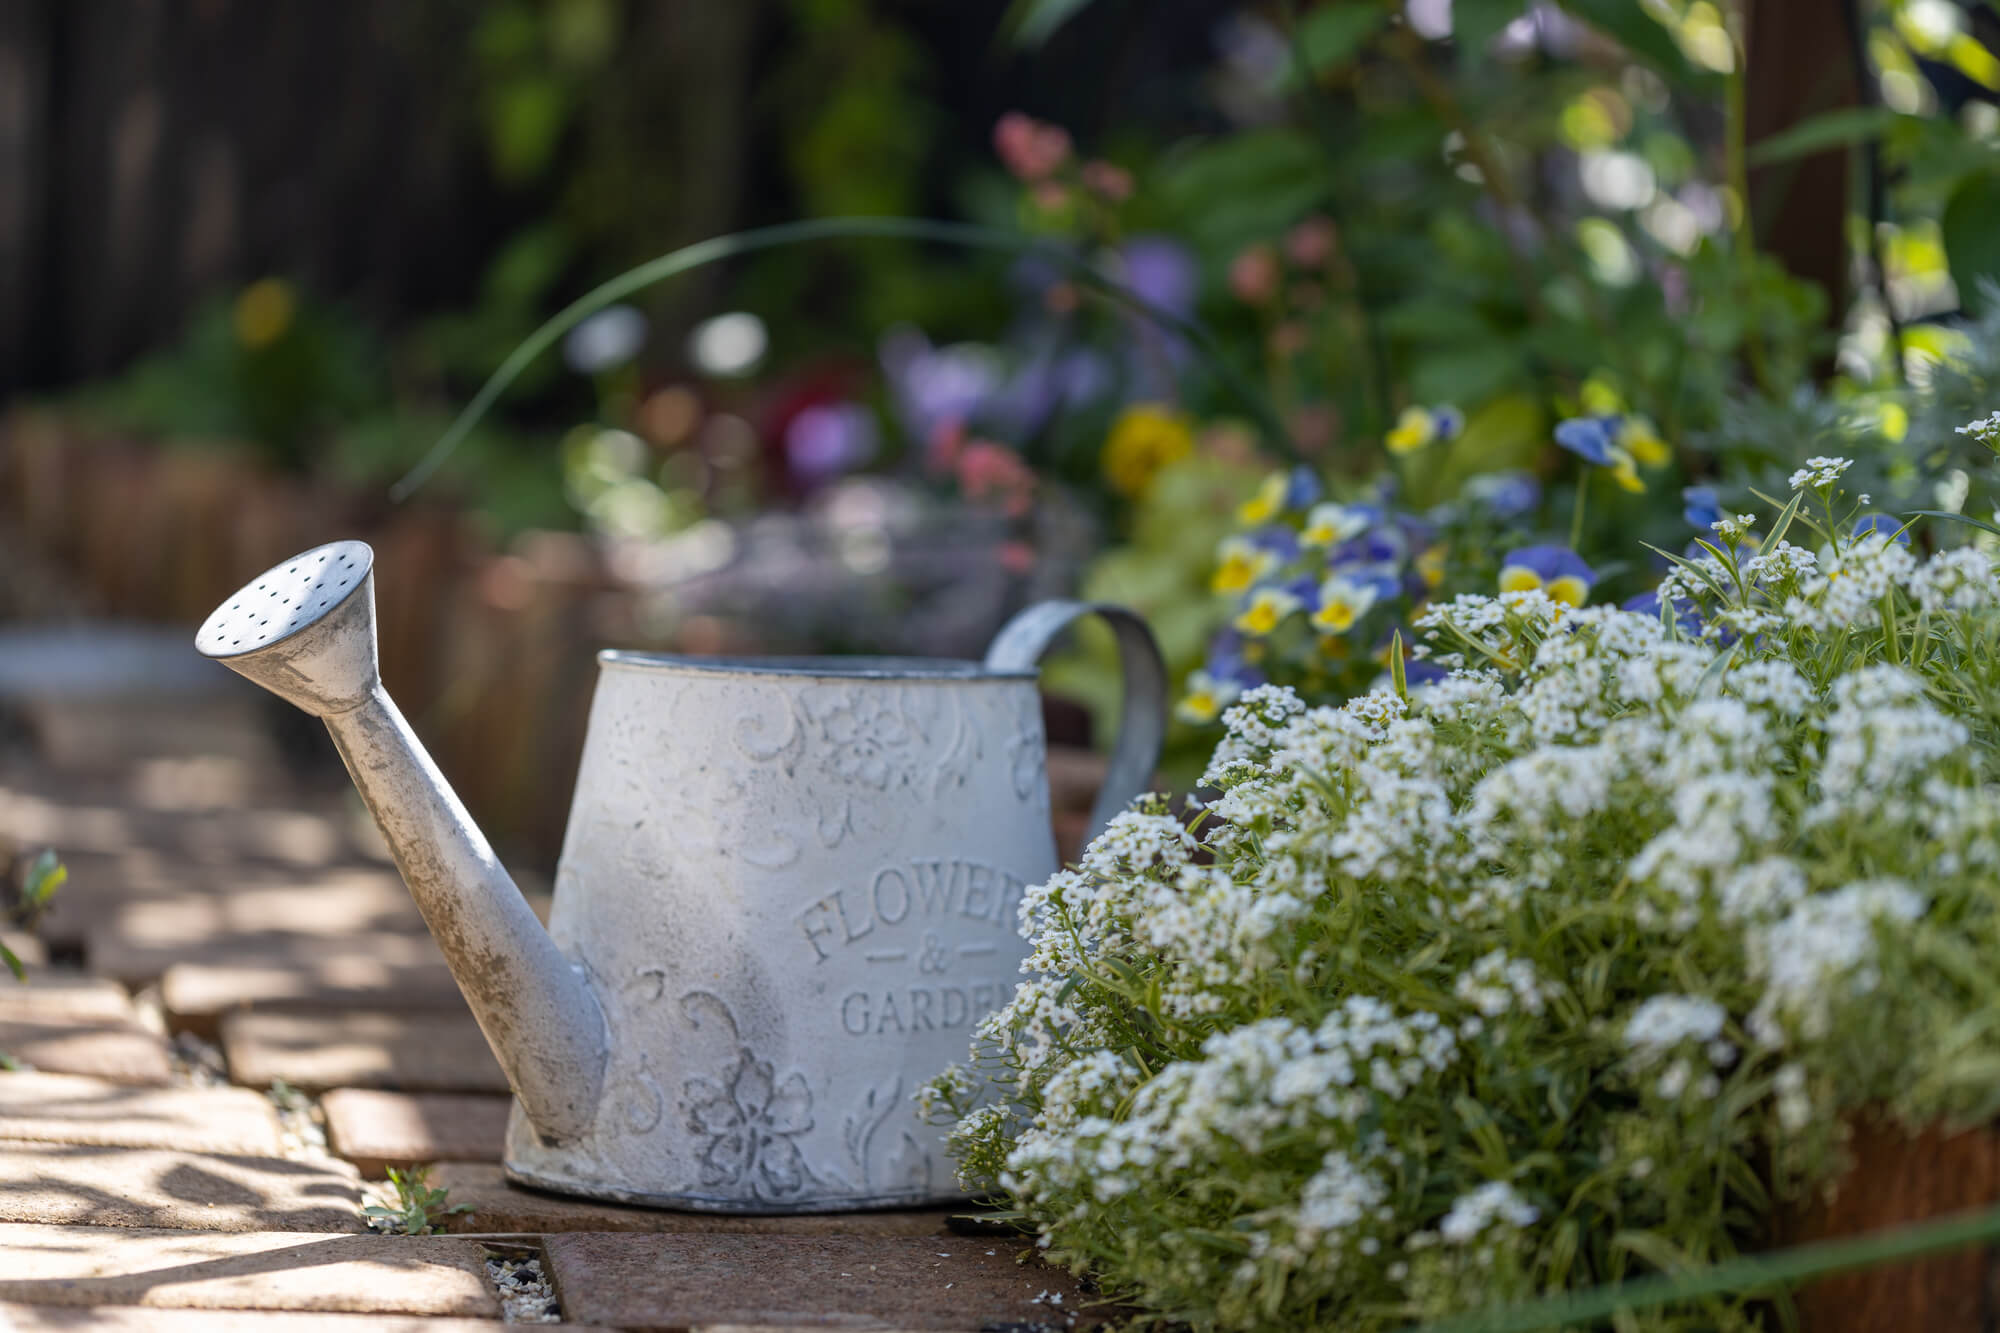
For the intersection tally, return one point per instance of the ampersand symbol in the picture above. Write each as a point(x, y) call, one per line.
point(932, 957)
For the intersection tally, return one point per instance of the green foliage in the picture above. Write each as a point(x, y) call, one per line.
point(37, 890)
point(420, 1210)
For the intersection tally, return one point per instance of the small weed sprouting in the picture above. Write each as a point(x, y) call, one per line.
point(419, 1209)
point(38, 887)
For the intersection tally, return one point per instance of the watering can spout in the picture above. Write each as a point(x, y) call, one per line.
point(306, 631)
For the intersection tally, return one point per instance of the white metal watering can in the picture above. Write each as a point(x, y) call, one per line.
point(787, 892)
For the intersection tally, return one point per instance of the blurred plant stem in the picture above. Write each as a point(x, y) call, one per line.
point(1378, 392)
point(1743, 233)
point(716, 249)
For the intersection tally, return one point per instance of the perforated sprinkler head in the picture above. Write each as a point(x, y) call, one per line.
point(303, 629)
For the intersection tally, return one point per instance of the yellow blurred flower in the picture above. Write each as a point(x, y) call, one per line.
point(263, 312)
point(1641, 439)
point(1600, 398)
point(1145, 438)
point(1240, 563)
point(1625, 471)
point(1412, 431)
point(1430, 565)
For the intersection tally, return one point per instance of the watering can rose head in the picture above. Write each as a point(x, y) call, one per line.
point(787, 895)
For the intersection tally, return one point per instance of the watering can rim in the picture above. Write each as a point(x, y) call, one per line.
point(857, 667)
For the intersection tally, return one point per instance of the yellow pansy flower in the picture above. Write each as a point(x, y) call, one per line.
point(1267, 503)
point(1206, 697)
point(1342, 602)
point(1331, 524)
point(1265, 611)
point(1240, 563)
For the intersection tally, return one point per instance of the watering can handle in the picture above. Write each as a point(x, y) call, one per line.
point(1142, 722)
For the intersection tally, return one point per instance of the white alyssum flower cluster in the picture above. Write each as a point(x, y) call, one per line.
point(1443, 988)
point(1819, 472)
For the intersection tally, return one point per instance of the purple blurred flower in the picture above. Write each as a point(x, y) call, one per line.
point(828, 439)
point(1159, 271)
point(936, 386)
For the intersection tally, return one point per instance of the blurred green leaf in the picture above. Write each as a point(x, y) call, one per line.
point(1032, 22)
point(525, 121)
point(1635, 29)
point(45, 876)
point(1332, 35)
point(13, 965)
point(1841, 128)
point(1971, 241)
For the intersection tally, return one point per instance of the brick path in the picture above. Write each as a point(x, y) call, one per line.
point(226, 930)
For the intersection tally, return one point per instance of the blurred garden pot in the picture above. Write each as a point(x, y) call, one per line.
point(1894, 1180)
point(786, 896)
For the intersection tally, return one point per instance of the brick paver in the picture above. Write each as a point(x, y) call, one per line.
point(139, 1319)
point(376, 1130)
point(198, 996)
point(249, 1271)
point(674, 1281)
point(149, 1187)
point(67, 1024)
point(408, 1052)
point(501, 1206)
point(69, 1109)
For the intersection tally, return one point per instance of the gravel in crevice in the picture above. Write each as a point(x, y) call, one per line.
point(525, 1294)
point(197, 1063)
point(301, 1124)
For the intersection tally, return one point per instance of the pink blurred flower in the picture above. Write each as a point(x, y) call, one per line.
point(1031, 149)
point(1311, 243)
point(1109, 180)
point(993, 472)
point(941, 450)
point(1314, 427)
point(1289, 338)
point(1051, 196)
point(1016, 557)
point(1253, 275)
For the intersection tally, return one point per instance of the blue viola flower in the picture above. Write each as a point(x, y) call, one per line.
point(1701, 507)
point(1555, 570)
point(1303, 490)
point(1383, 544)
point(1422, 671)
point(1505, 494)
point(1590, 438)
point(1883, 526)
point(1648, 604)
